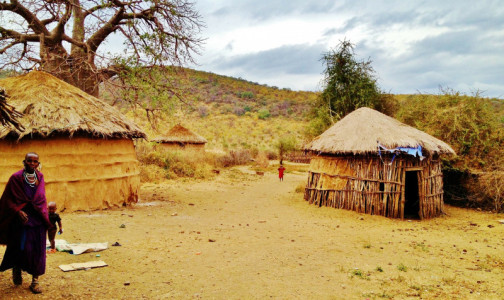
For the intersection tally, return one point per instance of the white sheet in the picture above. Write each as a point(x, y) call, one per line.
point(78, 248)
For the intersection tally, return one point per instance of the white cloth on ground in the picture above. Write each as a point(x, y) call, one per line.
point(78, 248)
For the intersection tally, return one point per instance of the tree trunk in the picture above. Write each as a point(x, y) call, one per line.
point(74, 69)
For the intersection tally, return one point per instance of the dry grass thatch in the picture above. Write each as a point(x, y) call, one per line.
point(180, 134)
point(8, 114)
point(51, 106)
point(359, 132)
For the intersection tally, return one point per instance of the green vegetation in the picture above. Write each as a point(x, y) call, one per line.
point(474, 127)
point(263, 114)
point(360, 274)
point(467, 123)
point(349, 84)
point(401, 267)
point(285, 144)
point(420, 246)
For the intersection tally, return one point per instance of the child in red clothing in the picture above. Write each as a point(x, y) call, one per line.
point(51, 232)
point(281, 172)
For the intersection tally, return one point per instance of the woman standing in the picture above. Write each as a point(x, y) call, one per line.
point(23, 223)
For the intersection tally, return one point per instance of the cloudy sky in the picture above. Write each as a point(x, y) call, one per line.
point(415, 46)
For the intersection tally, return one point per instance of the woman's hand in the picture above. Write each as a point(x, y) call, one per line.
point(23, 216)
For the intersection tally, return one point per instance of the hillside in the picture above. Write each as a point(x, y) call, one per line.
point(230, 113)
point(233, 113)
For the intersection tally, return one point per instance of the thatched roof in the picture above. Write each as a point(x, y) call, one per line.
point(8, 114)
point(359, 132)
point(180, 134)
point(52, 106)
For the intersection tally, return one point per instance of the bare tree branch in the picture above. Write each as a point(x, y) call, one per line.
point(157, 32)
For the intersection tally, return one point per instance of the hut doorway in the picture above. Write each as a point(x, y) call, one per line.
point(412, 198)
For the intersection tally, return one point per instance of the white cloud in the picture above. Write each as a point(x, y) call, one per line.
point(415, 46)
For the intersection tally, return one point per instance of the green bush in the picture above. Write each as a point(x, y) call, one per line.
point(470, 124)
point(263, 114)
point(246, 95)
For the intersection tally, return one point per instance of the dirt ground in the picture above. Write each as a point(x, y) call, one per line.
point(244, 236)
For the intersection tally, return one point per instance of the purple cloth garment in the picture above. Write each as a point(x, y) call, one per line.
point(26, 243)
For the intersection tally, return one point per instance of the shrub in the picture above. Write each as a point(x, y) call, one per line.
point(491, 185)
point(402, 267)
point(157, 163)
point(246, 95)
point(467, 123)
point(203, 111)
point(234, 158)
point(484, 190)
point(263, 114)
point(152, 173)
point(300, 188)
point(271, 155)
point(262, 160)
point(472, 126)
point(239, 111)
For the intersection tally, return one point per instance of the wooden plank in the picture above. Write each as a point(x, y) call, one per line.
point(83, 266)
point(414, 168)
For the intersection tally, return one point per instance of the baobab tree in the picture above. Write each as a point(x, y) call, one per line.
point(66, 37)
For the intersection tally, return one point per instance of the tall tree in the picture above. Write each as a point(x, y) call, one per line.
point(348, 84)
point(63, 37)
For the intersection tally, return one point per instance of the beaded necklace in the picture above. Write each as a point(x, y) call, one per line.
point(31, 179)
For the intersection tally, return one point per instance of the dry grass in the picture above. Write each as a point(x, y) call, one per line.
point(180, 134)
point(8, 114)
point(225, 132)
point(157, 163)
point(51, 106)
point(359, 132)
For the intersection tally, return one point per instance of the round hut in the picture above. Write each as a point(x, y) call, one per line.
point(371, 163)
point(181, 138)
point(85, 145)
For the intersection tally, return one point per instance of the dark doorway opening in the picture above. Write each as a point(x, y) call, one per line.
point(412, 203)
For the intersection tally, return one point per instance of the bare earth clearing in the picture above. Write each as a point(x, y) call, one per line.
point(243, 236)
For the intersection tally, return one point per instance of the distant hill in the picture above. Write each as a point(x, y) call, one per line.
point(231, 113)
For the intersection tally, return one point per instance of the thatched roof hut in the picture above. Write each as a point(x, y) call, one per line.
point(179, 138)
point(372, 163)
point(85, 145)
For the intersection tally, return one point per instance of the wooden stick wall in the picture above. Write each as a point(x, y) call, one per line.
point(376, 187)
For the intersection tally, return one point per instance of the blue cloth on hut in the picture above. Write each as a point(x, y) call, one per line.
point(416, 152)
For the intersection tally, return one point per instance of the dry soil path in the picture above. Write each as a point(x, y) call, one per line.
point(243, 236)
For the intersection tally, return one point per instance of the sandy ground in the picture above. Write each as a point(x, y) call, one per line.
point(244, 236)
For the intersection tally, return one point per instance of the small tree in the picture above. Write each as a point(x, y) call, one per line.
point(348, 85)
point(285, 144)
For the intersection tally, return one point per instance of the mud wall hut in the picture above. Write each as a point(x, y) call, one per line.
point(371, 163)
point(86, 146)
point(181, 138)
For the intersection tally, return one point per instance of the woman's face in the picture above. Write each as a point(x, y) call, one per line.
point(31, 162)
